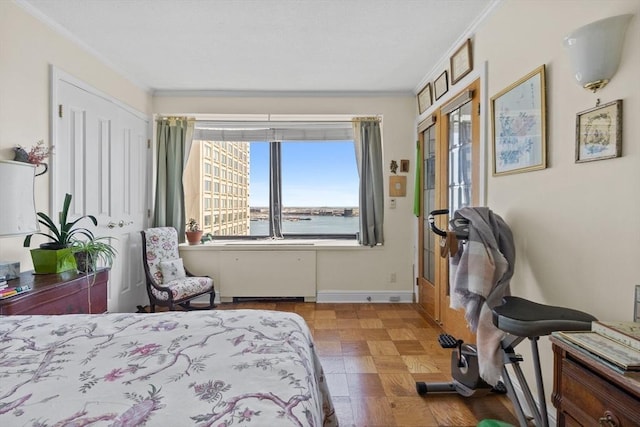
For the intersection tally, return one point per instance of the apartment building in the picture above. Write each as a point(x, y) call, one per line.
point(216, 185)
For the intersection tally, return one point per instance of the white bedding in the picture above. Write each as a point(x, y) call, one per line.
point(202, 368)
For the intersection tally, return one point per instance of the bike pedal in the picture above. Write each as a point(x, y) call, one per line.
point(499, 388)
point(447, 341)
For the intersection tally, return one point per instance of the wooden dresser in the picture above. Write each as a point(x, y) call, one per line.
point(588, 392)
point(64, 293)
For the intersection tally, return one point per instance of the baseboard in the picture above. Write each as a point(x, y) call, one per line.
point(364, 296)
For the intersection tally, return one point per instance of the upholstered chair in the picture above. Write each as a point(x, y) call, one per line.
point(169, 284)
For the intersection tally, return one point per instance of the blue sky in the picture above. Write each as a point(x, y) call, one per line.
point(313, 175)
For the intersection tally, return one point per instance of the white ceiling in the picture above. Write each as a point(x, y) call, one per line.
point(267, 45)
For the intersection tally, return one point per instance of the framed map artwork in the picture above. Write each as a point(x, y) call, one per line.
point(518, 125)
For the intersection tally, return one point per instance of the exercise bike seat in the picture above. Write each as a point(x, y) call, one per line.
point(524, 318)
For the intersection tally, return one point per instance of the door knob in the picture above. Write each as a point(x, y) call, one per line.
point(111, 224)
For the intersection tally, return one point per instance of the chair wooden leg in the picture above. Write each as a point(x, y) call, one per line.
point(212, 297)
point(152, 308)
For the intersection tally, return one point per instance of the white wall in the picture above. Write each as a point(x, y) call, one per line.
point(362, 269)
point(27, 48)
point(576, 226)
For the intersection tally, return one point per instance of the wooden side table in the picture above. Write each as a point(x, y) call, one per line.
point(64, 293)
point(588, 392)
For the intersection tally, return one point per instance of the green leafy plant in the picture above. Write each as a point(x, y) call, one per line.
point(62, 236)
point(90, 252)
point(192, 225)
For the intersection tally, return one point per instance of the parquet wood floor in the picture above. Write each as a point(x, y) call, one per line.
point(372, 355)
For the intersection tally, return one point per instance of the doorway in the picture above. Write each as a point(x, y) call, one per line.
point(450, 145)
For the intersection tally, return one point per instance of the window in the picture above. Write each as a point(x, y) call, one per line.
point(318, 178)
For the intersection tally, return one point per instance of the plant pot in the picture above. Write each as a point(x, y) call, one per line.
point(193, 237)
point(84, 262)
point(47, 261)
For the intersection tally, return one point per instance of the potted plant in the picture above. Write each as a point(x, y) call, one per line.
point(88, 253)
point(54, 256)
point(194, 233)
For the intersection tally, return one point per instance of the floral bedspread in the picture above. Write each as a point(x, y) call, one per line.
point(199, 368)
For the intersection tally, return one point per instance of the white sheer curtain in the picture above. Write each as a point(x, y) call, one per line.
point(368, 146)
point(174, 138)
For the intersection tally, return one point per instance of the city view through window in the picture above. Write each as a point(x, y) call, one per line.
point(227, 187)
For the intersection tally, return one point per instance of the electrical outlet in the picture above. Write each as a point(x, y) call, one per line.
point(392, 278)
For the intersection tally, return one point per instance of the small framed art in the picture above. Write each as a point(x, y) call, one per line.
point(425, 99)
point(461, 62)
point(441, 85)
point(518, 124)
point(599, 132)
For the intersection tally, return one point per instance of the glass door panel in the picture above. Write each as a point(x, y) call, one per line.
point(460, 158)
point(429, 203)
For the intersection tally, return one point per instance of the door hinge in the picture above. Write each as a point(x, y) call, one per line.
point(60, 110)
point(148, 213)
point(148, 143)
point(478, 109)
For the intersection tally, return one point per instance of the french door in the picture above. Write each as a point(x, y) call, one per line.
point(450, 146)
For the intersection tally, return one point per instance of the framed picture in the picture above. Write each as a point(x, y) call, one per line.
point(599, 132)
point(425, 99)
point(398, 186)
point(441, 85)
point(461, 62)
point(518, 124)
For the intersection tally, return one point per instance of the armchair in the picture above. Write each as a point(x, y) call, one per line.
point(168, 282)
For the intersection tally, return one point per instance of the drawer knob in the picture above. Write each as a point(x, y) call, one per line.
point(608, 420)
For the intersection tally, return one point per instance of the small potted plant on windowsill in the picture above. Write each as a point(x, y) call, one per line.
point(90, 253)
point(194, 232)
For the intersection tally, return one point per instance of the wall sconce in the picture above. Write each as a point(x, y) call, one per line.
point(18, 213)
point(595, 50)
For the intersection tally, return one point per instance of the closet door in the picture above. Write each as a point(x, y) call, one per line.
point(100, 157)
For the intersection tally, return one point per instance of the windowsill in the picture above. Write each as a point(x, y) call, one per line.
point(297, 244)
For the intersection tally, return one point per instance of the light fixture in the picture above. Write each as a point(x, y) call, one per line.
point(18, 213)
point(595, 50)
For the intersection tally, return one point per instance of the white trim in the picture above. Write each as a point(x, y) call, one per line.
point(278, 93)
point(364, 296)
point(36, 13)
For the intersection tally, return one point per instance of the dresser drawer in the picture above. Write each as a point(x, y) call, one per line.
point(587, 398)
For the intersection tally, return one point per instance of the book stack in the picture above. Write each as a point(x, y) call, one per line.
point(615, 342)
point(9, 291)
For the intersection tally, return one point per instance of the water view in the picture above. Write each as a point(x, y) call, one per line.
point(298, 223)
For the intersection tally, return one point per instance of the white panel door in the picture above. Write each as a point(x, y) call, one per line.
point(100, 157)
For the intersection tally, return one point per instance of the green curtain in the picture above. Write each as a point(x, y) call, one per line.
point(174, 135)
point(417, 207)
point(368, 145)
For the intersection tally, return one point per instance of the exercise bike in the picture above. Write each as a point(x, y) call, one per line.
point(520, 319)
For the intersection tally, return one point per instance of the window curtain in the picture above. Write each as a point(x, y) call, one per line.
point(368, 147)
point(174, 138)
point(275, 190)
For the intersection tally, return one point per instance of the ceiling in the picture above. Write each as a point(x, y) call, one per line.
point(267, 45)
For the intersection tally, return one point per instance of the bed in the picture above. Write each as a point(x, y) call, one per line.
point(202, 368)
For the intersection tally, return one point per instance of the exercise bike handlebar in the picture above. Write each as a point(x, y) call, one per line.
point(432, 221)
